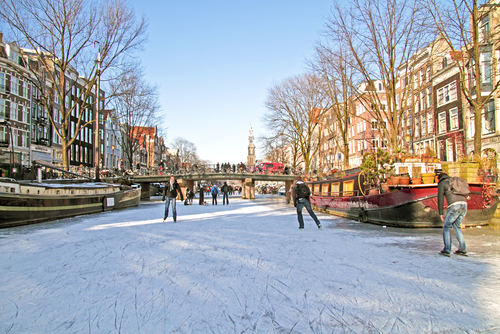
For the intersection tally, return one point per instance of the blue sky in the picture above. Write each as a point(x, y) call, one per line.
point(214, 62)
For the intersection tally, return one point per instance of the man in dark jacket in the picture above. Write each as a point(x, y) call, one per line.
point(300, 195)
point(202, 195)
point(170, 191)
point(225, 193)
point(457, 209)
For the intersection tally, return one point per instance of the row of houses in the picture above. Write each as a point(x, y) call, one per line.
point(27, 134)
point(436, 117)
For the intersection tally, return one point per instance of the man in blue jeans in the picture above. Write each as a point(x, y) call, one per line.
point(171, 190)
point(300, 195)
point(455, 214)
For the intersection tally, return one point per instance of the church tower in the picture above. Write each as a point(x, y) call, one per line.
point(251, 150)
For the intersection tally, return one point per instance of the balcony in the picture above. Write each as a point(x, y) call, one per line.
point(41, 120)
point(4, 143)
point(43, 141)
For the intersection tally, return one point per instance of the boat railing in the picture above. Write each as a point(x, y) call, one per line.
point(346, 193)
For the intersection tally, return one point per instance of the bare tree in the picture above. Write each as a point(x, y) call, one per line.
point(295, 108)
point(135, 106)
point(69, 45)
point(465, 27)
point(333, 67)
point(275, 148)
point(379, 36)
point(187, 151)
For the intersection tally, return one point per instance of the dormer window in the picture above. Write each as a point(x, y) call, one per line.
point(445, 62)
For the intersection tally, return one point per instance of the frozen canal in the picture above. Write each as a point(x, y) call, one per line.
point(242, 268)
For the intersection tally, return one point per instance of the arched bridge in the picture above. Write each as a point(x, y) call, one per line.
point(187, 181)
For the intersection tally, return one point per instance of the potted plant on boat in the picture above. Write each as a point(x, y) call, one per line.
point(376, 167)
point(369, 169)
point(416, 177)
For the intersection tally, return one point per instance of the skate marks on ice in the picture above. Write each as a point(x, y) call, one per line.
point(233, 269)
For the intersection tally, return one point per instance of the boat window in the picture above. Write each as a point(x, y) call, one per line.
point(27, 191)
point(335, 189)
point(12, 190)
point(58, 192)
point(348, 188)
point(316, 189)
point(324, 189)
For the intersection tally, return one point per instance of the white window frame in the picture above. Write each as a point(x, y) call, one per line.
point(454, 124)
point(442, 122)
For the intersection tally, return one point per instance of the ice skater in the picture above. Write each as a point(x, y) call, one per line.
point(215, 193)
point(171, 190)
point(455, 214)
point(300, 195)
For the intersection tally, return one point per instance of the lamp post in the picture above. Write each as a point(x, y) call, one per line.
point(96, 136)
point(7, 124)
point(112, 156)
point(407, 139)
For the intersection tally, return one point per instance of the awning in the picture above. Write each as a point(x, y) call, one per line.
point(41, 156)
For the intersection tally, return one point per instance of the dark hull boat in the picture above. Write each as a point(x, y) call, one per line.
point(30, 203)
point(401, 206)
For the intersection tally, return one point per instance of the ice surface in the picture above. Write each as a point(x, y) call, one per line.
point(240, 268)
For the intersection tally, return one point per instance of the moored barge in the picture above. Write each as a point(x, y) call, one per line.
point(29, 203)
point(400, 206)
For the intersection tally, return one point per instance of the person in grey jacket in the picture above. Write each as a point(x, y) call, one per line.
point(455, 214)
point(170, 192)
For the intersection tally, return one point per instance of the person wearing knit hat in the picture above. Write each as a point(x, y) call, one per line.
point(455, 214)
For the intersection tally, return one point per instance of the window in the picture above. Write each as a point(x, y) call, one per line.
point(472, 129)
point(13, 55)
point(374, 124)
point(489, 118)
point(442, 122)
point(3, 83)
point(484, 29)
point(335, 189)
point(486, 67)
point(348, 187)
point(417, 102)
point(454, 119)
point(422, 101)
point(429, 97)
point(375, 143)
point(428, 73)
point(14, 85)
point(429, 123)
point(417, 127)
point(444, 63)
point(447, 93)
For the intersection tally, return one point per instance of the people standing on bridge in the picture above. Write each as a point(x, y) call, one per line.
point(225, 193)
point(300, 195)
point(170, 192)
point(202, 195)
point(215, 193)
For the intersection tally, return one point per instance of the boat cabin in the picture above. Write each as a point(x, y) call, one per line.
point(351, 185)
